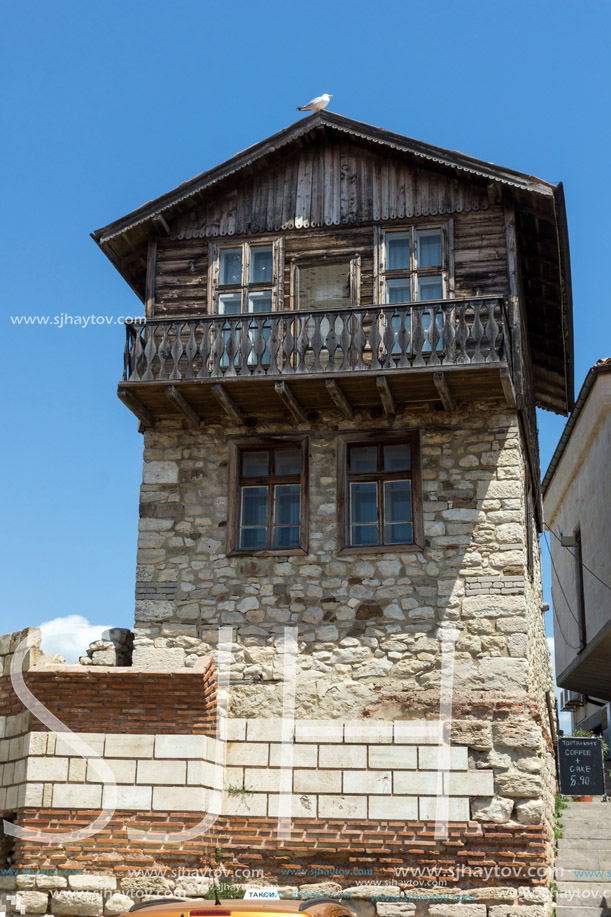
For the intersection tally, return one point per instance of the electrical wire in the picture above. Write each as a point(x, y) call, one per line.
point(568, 604)
point(574, 556)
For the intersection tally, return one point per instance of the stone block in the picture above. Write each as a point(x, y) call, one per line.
point(92, 883)
point(457, 910)
point(393, 807)
point(153, 657)
point(416, 732)
point(395, 909)
point(469, 783)
point(180, 746)
point(51, 882)
point(457, 808)
point(53, 769)
point(375, 782)
point(342, 807)
point(368, 732)
point(453, 758)
point(316, 781)
point(396, 757)
point(416, 783)
point(30, 902)
point(518, 910)
point(79, 904)
point(264, 730)
point(248, 754)
point(157, 773)
point(531, 812)
point(180, 799)
point(160, 473)
point(117, 904)
point(496, 809)
point(124, 770)
point(303, 805)
point(251, 804)
point(344, 756)
point(320, 890)
point(128, 797)
point(519, 784)
point(303, 755)
point(501, 673)
point(77, 796)
point(119, 745)
point(319, 731)
point(94, 740)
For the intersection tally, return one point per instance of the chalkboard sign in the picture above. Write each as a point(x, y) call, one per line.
point(581, 767)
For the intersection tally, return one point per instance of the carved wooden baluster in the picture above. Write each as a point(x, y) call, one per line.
point(288, 347)
point(231, 333)
point(177, 352)
point(190, 351)
point(449, 335)
point(204, 349)
point(316, 341)
point(462, 334)
point(331, 341)
point(218, 346)
point(150, 350)
point(403, 338)
point(274, 345)
point(260, 346)
point(372, 320)
point(359, 339)
point(346, 319)
point(389, 338)
point(303, 342)
point(492, 330)
point(477, 330)
point(434, 336)
point(244, 342)
point(127, 352)
point(418, 336)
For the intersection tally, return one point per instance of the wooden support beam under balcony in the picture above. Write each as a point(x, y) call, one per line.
point(182, 406)
point(288, 399)
point(136, 407)
point(388, 402)
point(441, 384)
point(228, 404)
point(508, 387)
point(339, 399)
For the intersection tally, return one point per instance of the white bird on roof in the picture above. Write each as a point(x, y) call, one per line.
point(317, 104)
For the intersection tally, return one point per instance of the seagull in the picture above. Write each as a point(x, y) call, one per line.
point(318, 103)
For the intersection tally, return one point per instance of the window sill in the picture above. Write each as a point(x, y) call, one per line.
point(382, 549)
point(268, 552)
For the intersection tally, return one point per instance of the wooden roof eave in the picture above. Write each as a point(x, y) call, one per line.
point(567, 293)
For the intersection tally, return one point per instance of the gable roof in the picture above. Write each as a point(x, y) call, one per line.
point(296, 131)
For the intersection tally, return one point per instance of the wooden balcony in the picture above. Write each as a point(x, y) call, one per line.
point(260, 366)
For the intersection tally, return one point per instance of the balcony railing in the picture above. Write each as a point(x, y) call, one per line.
point(319, 343)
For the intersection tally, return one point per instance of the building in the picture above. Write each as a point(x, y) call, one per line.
point(346, 333)
point(577, 504)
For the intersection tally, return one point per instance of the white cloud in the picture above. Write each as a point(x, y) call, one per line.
point(70, 636)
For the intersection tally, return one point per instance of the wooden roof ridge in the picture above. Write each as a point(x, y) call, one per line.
point(319, 121)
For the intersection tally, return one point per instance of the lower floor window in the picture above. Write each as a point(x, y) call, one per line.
point(270, 500)
point(378, 479)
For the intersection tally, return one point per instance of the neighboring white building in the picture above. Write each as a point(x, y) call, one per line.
point(577, 508)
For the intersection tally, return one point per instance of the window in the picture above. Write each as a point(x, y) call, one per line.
point(379, 488)
point(269, 499)
point(411, 265)
point(327, 283)
point(245, 277)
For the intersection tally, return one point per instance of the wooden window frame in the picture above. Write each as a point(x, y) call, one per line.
point(331, 257)
point(237, 447)
point(381, 275)
point(245, 286)
point(383, 438)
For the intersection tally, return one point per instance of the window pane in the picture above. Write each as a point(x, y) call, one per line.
point(430, 288)
point(252, 537)
point(397, 251)
point(398, 291)
point(287, 461)
point(230, 266)
point(287, 502)
point(362, 459)
point(261, 264)
point(429, 247)
point(363, 503)
point(397, 501)
point(254, 506)
point(363, 534)
point(261, 301)
point(398, 457)
point(323, 286)
point(230, 303)
point(400, 533)
point(255, 464)
point(286, 536)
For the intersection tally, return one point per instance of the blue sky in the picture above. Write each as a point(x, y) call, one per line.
point(109, 105)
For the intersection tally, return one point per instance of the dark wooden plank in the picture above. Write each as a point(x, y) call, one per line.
point(136, 407)
point(290, 401)
point(339, 399)
point(385, 396)
point(441, 384)
point(227, 403)
point(182, 406)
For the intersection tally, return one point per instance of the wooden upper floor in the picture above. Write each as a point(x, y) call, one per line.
point(315, 252)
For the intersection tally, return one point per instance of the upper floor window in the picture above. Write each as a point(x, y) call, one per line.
point(379, 487)
point(412, 265)
point(330, 282)
point(269, 496)
point(244, 277)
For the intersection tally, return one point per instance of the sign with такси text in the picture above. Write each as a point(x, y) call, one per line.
point(581, 766)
